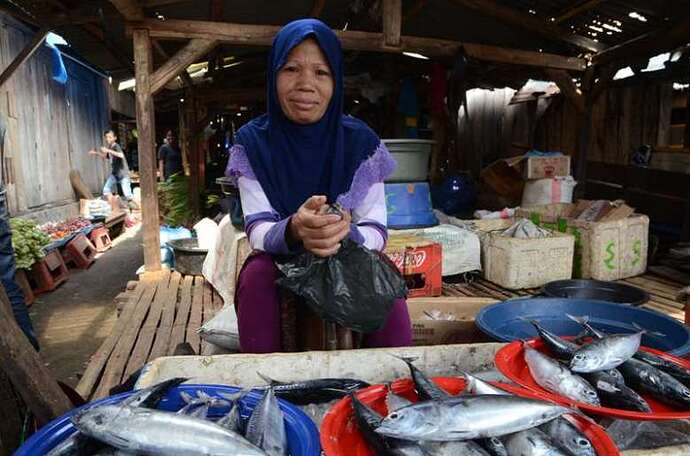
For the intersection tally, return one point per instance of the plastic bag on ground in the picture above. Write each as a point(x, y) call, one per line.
point(222, 330)
point(355, 287)
point(206, 233)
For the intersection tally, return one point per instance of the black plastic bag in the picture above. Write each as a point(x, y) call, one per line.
point(355, 287)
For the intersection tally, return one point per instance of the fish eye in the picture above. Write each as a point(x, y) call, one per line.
point(583, 442)
point(394, 416)
point(579, 357)
point(591, 393)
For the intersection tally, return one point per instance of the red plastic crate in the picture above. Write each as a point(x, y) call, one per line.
point(79, 252)
point(47, 274)
point(100, 238)
point(420, 262)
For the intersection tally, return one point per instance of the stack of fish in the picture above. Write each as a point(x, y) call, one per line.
point(610, 371)
point(486, 421)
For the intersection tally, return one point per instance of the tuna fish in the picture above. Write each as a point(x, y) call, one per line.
point(266, 427)
point(561, 348)
point(316, 391)
point(426, 388)
point(569, 438)
point(659, 384)
point(621, 397)
point(606, 353)
point(532, 442)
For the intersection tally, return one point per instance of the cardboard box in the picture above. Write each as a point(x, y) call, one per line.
point(420, 262)
point(441, 332)
point(517, 263)
point(546, 167)
point(612, 249)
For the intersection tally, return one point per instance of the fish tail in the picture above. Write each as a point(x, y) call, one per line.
point(186, 397)
point(647, 331)
point(267, 379)
point(580, 320)
point(237, 396)
point(409, 360)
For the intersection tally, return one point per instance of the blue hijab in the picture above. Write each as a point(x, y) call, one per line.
point(293, 161)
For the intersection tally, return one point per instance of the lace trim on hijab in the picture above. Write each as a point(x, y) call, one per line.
point(375, 169)
point(238, 165)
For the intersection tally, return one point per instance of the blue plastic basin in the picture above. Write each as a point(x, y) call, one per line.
point(409, 205)
point(302, 434)
point(504, 321)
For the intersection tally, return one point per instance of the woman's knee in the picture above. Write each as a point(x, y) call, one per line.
point(259, 269)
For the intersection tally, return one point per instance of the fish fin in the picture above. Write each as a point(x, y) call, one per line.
point(186, 397)
point(267, 379)
point(203, 396)
point(581, 320)
point(608, 387)
point(234, 397)
point(647, 331)
point(409, 360)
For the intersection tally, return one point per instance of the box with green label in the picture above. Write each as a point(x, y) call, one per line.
point(604, 250)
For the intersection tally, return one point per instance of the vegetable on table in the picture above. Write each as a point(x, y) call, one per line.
point(28, 242)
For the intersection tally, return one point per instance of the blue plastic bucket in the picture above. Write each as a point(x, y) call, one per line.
point(504, 321)
point(409, 205)
point(302, 434)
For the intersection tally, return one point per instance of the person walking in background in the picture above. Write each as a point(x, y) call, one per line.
point(7, 262)
point(119, 168)
point(169, 157)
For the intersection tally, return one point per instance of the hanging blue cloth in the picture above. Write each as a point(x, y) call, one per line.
point(59, 70)
point(293, 161)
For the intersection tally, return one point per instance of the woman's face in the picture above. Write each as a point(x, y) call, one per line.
point(305, 83)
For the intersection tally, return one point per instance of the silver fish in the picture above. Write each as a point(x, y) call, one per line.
point(233, 420)
point(532, 442)
point(266, 426)
point(426, 388)
point(569, 438)
point(155, 432)
point(493, 446)
point(394, 401)
point(606, 353)
point(620, 396)
point(553, 376)
point(468, 417)
point(468, 448)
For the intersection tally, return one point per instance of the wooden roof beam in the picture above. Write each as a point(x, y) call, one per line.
point(262, 35)
point(130, 9)
point(186, 78)
point(568, 88)
point(646, 45)
point(392, 22)
point(179, 62)
point(575, 10)
point(24, 54)
point(529, 22)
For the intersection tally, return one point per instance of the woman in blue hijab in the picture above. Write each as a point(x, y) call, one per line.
point(290, 164)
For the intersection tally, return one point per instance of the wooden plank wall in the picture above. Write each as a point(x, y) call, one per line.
point(624, 117)
point(50, 126)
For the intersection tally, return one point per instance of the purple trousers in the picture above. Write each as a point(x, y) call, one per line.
point(258, 310)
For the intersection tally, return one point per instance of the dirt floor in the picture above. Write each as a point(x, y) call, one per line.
point(73, 320)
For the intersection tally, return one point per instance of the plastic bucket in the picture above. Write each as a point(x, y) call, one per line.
point(412, 158)
point(505, 321)
point(302, 435)
point(409, 205)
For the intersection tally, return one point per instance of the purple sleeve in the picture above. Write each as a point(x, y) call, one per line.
point(375, 169)
point(275, 241)
point(239, 165)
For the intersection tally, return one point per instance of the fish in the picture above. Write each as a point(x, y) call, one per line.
point(426, 388)
point(554, 377)
point(606, 353)
point(156, 432)
point(468, 417)
point(678, 372)
point(368, 420)
point(233, 419)
point(569, 438)
point(478, 386)
point(266, 426)
point(457, 448)
point(612, 376)
point(659, 384)
point(493, 446)
point(584, 322)
point(395, 401)
point(80, 444)
point(561, 348)
point(200, 405)
point(316, 391)
point(532, 442)
point(620, 396)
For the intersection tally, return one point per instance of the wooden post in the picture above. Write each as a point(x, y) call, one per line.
point(146, 125)
point(183, 134)
point(26, 370)
point(392, 20)
point(24, 55)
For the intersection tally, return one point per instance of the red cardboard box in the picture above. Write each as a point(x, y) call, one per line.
point(420, 262)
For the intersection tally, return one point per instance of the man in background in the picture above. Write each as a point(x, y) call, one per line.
point(119, 168)
point(169, 157)
point(7, 262)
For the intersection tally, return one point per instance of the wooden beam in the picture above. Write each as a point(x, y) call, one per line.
point(646, 45)
point(392, 21)
point(24, 55)
point(262, 35)
point(25, 369)
point(186, 78)
point(317, 8)
point(179, 62)
point(130, 9)
point(575, 10)
point(531, 23)
point(146, 125)
point(568, 88)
